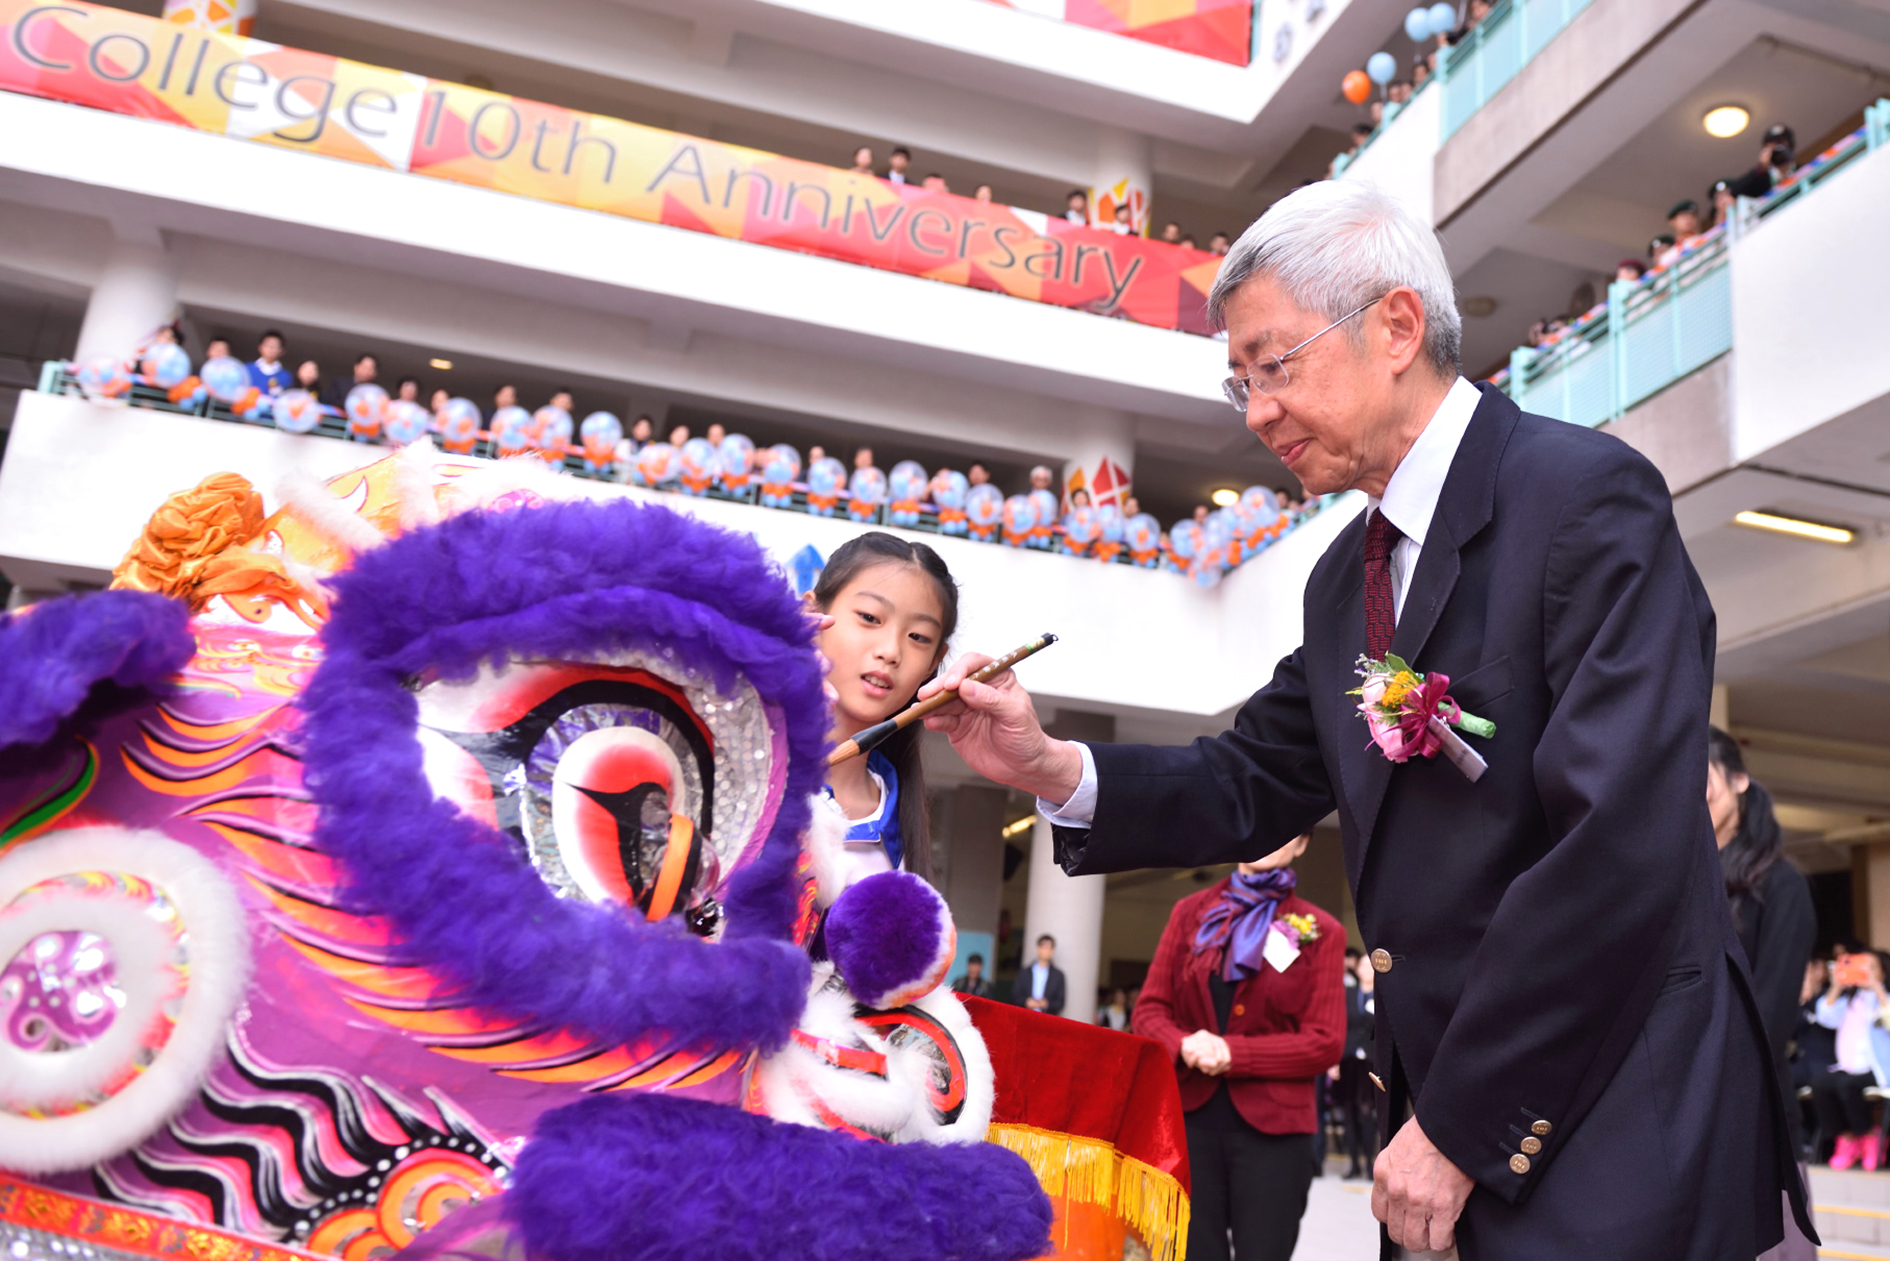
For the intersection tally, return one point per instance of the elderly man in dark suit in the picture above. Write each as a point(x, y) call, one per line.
point(1566, 1033)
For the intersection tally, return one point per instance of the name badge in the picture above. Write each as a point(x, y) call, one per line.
point(1279, 951)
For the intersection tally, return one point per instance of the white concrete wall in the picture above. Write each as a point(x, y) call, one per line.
point(73, 159)
point(1132, 638)
point(1403, 159)
point(1808, 290)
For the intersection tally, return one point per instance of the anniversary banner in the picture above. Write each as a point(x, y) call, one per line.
point(251, 90)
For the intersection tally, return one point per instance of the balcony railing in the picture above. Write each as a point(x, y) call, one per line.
point(1673, 321)
point(1504, 42)
point(1204, 566)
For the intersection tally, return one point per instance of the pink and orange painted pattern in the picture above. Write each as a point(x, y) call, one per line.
point(1218, 29)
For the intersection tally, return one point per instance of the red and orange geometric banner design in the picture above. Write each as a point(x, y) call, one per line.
point(1220, 29)
point(111, 60)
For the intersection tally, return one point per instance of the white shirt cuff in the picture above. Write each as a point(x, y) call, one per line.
point(1080, 810)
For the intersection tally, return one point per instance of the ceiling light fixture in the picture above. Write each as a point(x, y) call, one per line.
point(444, 365)
point(1022, 825)
point(1796, 527)
point(1225, 497)
point(1726, 121)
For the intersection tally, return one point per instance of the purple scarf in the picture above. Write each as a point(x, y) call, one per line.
point(1239, 921)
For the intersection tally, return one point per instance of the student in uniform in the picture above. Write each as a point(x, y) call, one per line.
point(889, 608)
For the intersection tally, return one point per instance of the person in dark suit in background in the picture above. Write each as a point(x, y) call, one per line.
point(1252, 1023)
point(1040, 986)
point(973, 981)
point(366, 369)
point(1574, 1060)
point(1352, 1079)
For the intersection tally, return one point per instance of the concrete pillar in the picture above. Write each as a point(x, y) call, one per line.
point(1125, 170)
point(970, 821)
point(1069, 908)
point(1875, 930)
point(136, 294)
point(1101, 456)
point(227, 17)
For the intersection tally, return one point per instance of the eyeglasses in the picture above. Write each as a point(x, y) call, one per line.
point(1268, 374)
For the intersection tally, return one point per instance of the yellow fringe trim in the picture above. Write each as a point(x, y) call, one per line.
point(1090, 1171)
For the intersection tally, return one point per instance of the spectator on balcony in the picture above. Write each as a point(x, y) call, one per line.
point(1421, 70)
point(266, 373)
point(441, 397)
point(1076, 206)
point(309, 377)
point(504, 396)
point(1375, 111)
point(899, 166)
point(1219, 243)
point(1131, 507)
point(642, 433)
point(1630, 270)
point(1398, 91)
point(1778, 158)
point(1200, 514)
point(366, 368)
point(1723, 200)
point(934, 183)
point(1662, 250)
point(863, 160)
point(1473, 17)
point(983, 194)
point(219, 348)
point(1686, 222)
point(678, 436)
point(977, 474)
point(716, 435)
point(562, 399)
point(1124, 224)
point(815, 454)
point(1187, 242)
point(407, 390)
point(1171, 232)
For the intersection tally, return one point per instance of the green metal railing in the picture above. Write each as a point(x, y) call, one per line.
point(1478, 66)
point(1655, 331)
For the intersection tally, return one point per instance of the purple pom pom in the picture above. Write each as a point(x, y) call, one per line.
point(892, 938)
point(650, 1178)
point(53, 654)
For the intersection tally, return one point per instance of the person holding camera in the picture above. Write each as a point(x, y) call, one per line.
point(1854, 1006)
point(1778, 158)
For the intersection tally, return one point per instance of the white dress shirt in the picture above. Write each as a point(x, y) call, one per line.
point(1409, 502)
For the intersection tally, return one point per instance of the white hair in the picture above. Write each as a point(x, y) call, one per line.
point(1336, 245)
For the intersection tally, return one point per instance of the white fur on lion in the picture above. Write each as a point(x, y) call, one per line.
point(219, 949)
point(316, 507)
point(826, 845)
point(790, 1081)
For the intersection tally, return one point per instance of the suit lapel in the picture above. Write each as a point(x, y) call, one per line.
point(1464, 507)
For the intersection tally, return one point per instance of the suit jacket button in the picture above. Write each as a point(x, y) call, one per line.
point(1542, 1128)
point(1240, 1009)
point(1381, 960)
point(1519, 1164)
point(1530, 1146)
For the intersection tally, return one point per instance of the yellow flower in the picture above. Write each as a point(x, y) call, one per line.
point(1397, 688)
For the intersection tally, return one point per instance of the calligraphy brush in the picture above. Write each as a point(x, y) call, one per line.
point(879, 733)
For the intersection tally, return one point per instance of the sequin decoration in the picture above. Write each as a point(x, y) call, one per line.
point(59, 992)
point(112, 948)
point(710, 754)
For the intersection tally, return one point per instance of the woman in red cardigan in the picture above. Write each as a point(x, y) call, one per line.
point(1247, 993)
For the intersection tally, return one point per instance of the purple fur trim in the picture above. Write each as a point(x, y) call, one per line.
point(561, 581)
point(54, 654)
point(652, 1178)
point(885, 934)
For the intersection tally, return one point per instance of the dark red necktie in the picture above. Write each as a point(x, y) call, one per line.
point(1381, 607)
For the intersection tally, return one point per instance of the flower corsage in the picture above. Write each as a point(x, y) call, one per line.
point(1303, 927)
point(1412, 715)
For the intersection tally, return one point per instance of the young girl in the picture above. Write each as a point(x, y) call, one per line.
point(893, 607)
